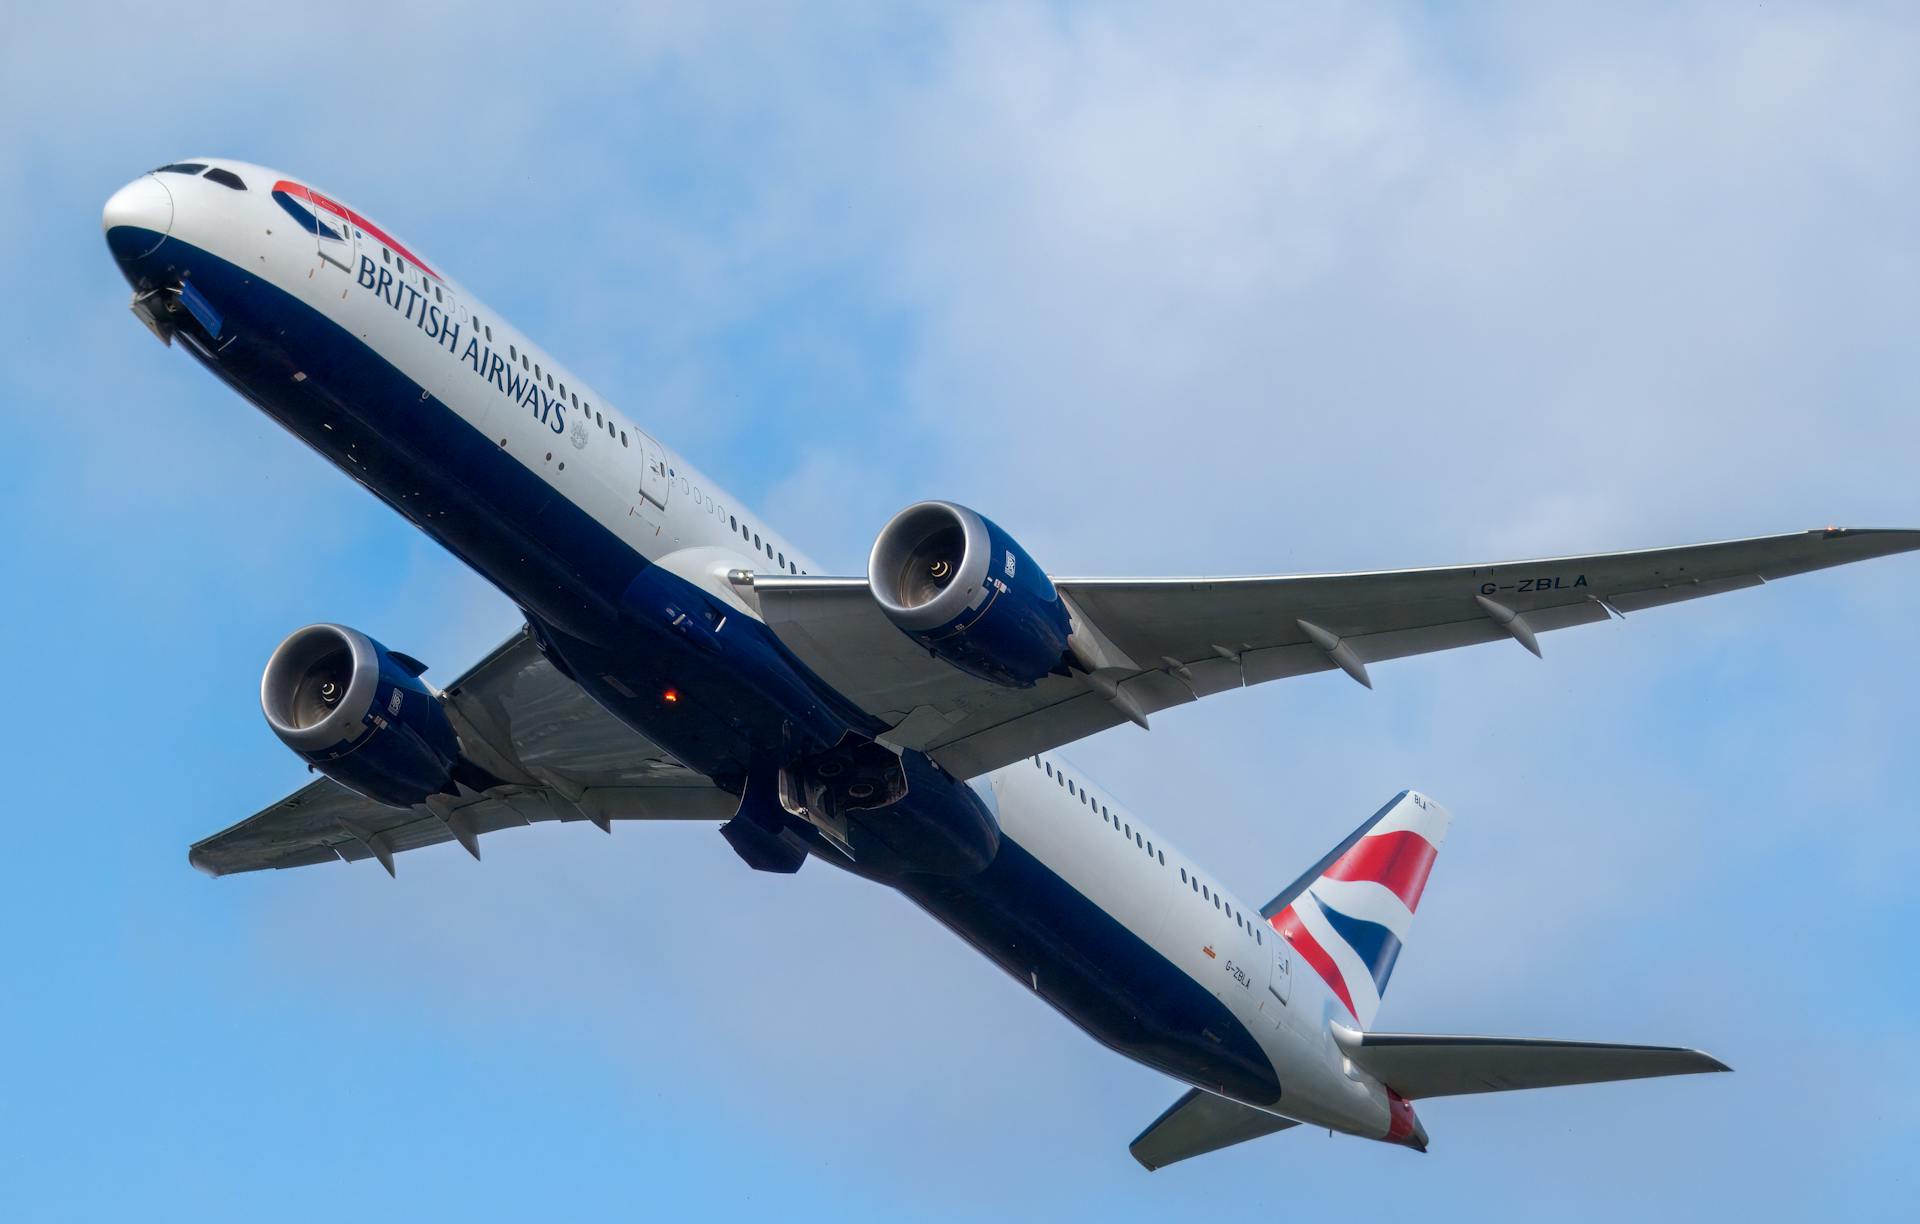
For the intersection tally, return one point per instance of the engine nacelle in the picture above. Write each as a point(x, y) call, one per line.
point(360, 715)
point(957, 584)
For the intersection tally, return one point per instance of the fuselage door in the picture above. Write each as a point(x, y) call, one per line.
point(338, 239)
point(1279, 978)
point(654, 483)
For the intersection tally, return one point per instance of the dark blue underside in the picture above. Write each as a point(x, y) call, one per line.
point(603, 613)
point(1098, 973)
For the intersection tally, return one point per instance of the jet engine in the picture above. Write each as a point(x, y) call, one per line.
point(361, 715)
point(954, 582)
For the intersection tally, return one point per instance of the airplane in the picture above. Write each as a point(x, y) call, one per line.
point(681, 660)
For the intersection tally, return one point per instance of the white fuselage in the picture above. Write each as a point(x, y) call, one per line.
point(525, 403)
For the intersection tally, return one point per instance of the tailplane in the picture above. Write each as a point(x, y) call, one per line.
point(1198, 1123)
point(1418, 1066)
point(1349, 915)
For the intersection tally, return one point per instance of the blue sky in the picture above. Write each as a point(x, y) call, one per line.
point(1181, 289)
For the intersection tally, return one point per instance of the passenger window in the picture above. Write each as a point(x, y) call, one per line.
point(783, 560)
point(736, 527)
point(386, 256)
point(489, 330)
point(513, 352)
point(623, 437)
point(1183, 875)
point(1163, 858)
point(1049, 771)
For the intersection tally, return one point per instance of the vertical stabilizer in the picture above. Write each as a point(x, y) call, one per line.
point(1349, 915)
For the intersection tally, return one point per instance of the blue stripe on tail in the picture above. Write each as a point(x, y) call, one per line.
point(1376, 946)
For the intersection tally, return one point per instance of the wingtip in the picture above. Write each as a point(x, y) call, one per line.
point(1841, 533)
point(200, 863)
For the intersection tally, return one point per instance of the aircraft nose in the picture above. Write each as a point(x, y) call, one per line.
point(137, 217)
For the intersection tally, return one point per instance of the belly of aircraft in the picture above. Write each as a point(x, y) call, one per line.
point(1098, 973)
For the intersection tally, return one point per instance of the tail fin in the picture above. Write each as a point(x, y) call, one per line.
point(1349, 914)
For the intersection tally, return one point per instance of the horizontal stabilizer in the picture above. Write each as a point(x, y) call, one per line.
point(1198, 1123)
point(1418, 1065)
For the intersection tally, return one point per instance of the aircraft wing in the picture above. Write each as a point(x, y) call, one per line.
point(1418, 1066)
point(562, 755)
point(1162, 642)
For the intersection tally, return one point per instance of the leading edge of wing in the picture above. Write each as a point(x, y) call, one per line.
point(1876, 541)
point(1871, 542)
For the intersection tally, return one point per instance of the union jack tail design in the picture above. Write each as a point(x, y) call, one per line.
point(1349, 914)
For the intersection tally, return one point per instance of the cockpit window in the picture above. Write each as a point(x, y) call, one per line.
point(181, 168)
point(226, 178)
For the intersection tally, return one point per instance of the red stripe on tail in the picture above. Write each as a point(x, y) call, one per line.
point(1288, 924)
point(1400, 860)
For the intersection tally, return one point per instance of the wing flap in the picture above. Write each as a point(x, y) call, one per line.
point(1419, 1066)
point(1198, 1123)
